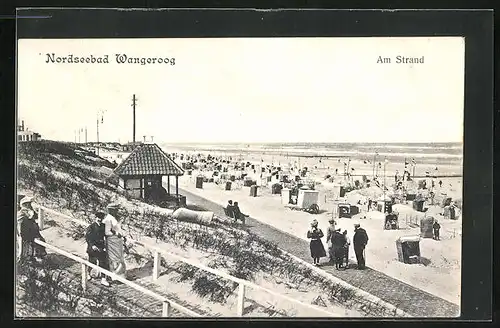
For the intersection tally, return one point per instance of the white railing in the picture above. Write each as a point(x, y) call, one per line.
point(158, 253)
point(167, 304)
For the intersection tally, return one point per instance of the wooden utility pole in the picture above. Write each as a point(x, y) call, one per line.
point(134, 99)
point(97, 134)
point(100, 114)
point(385, 162)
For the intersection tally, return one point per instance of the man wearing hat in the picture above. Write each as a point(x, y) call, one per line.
point(29, 230)
point(96, 245)
point(114, 240)
point(360, 240)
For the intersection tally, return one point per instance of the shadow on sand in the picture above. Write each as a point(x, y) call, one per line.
point(58, 261)
point(140, 272)
point(425, 261)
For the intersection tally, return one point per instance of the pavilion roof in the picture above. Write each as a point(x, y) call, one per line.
point(148, 159)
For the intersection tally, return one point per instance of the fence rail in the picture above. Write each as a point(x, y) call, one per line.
point(158, 253)
point(167, 304)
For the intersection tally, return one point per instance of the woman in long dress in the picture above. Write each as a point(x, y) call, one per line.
point(28, 231)
point(114, 241)
point(316, 246)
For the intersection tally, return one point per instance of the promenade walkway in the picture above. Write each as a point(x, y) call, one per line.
point(412, 300)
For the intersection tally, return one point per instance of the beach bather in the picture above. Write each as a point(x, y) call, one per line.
point(436, 227)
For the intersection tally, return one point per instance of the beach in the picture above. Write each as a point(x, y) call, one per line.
point(440, 267)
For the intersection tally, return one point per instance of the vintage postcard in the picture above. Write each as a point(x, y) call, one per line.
point(240, 177)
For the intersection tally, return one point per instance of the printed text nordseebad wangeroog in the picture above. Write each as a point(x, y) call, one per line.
point(105, 59)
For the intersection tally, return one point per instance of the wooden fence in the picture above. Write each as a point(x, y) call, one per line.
point(167, 303)
point(159, 253)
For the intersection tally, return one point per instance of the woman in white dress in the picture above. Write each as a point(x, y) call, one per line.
point(114, 241)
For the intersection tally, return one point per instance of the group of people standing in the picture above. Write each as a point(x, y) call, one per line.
point(338, 245)
point(105, 243)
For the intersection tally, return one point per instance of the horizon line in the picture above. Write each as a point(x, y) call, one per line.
point(267, 142)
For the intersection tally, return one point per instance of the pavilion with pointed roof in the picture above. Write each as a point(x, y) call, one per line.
point(140, 174)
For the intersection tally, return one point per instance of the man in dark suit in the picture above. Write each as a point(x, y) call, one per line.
point(96, 245)
point(237, 213)
point(338, 241)
point(230, 209)
point(360, 240)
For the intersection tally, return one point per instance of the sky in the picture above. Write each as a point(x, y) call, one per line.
point(246, 90)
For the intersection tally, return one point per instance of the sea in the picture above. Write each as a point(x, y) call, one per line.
point(448, 152)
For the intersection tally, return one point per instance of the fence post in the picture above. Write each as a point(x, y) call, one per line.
point(241, 299)
point(84, 276)
point(156, 265)
point(40, 218)
point(166, 309)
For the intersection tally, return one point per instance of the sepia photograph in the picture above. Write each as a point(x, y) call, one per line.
point(264, 177)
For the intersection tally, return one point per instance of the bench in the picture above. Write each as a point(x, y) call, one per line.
point(231, 215)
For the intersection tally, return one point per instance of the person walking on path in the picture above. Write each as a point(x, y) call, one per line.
point(316, 246)
point(435, 227)
point(329, 234)
point(114, 241)
point(96, 246)
point(29, 231)
point(360, 241)
point(346, 248)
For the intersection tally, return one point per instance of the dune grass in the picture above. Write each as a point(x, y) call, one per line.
point(69, 178)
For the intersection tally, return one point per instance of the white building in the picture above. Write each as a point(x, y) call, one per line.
point(26, 135)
